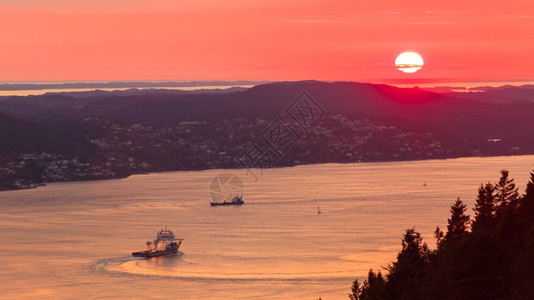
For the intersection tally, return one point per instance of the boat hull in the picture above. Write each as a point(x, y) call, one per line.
point(226, 203)
point(148, 254)
point(170, 250)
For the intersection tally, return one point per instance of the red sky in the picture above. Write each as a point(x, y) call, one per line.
point(49, 40)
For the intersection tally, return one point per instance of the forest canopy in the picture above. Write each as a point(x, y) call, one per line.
point(487, 256)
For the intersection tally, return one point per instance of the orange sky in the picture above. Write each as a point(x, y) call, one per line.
point(47, 40)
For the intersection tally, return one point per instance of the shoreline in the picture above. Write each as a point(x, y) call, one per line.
point(9, 89)
point(36, 185)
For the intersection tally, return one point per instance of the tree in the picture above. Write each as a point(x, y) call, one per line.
point(529, 192)
point(485, 206)
point(527, 203)
point(458, 223)
point(523, 247)
point(506, 192)
point(412, 244)
point(355, 290)
point(438, 234)
point(374, 288)
point(408, 276)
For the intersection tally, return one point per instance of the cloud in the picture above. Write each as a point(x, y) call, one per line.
point(444, 12)
point(517, 16)
point(431, 23)
point(319, 21)
point(390, 12)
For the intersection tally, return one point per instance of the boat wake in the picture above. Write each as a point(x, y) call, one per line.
point(107, 265)
point(169, 267)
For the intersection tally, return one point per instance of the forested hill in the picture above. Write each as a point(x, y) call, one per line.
point(427, 110)
point(64, 136)
point(99, 134)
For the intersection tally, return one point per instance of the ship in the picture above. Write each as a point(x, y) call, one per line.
point(236, 200)
point(164, 244)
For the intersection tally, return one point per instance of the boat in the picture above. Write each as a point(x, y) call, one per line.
point(236, 200)
point(164, 244)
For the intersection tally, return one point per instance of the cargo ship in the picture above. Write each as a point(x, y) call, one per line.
point(164, 244)
point(236, 200)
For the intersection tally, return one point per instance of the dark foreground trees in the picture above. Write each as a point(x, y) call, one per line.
point(489, 257)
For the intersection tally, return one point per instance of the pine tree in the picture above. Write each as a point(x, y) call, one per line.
point(529, 192)
point(506, 192)
point(374, 288)
point(355, 291)
point(458, 223)
point(408, 276)
point(527, 205)
point(412, 244)
point(523, 264)
point(485, 206)
point(438, 234)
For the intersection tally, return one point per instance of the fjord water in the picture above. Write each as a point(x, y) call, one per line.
point(74, 240)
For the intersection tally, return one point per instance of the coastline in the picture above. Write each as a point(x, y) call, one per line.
point(110, 136)
point(8, 89)
point(245, 170)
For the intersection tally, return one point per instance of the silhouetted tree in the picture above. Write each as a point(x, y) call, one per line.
point(355, 291)
point(374, 288)
point(522, 247)
point(458, 223)
point(439, 235)
point(529, 192)
point(407, 276)
point(527, 203)
point(506, 192)
point(485, 206)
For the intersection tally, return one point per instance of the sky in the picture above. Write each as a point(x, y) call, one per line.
point(82, 40)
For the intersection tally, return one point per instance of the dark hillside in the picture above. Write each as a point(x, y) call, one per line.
point(427, 111)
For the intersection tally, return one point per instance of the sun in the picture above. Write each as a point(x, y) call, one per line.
point(409, 62)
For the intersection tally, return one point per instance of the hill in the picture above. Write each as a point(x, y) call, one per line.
point(96, 135)
point(443, 113)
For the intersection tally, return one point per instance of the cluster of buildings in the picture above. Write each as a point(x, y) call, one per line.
point(339, 139)
point(29, 170)
point(121, 148)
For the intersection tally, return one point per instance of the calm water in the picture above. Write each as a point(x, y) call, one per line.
point(73, 240)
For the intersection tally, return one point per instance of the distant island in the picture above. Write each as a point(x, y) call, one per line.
point(102, 135)
point(120, 84)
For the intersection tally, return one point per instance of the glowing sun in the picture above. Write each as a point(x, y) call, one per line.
point(409, 62)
